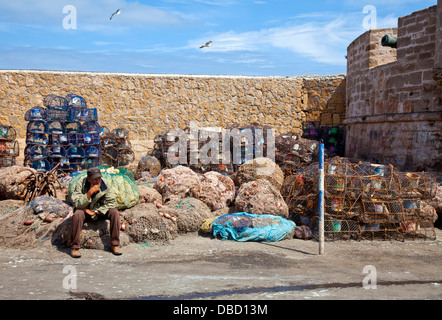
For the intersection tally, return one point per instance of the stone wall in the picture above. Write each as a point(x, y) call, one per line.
point(394, 112)
point(148, 105)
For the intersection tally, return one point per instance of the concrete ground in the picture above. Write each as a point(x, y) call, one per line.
point(193, 267)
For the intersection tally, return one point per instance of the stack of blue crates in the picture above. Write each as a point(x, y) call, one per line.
point(66, 132)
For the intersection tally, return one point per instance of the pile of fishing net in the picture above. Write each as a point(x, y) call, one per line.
point(150, 222)
point(94, 235)
point(217, 190)
point(259, 168)
point(261, 197)
point(243, 226)
point(148, 194)
point(177, 183)
point(120, 181)
point(32, 223)
point(190, 213)
point(10, 178)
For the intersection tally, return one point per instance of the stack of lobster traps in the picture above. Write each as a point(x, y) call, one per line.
point(9, 147)
point(117, 149)
point(363, 200)
point(211, 149)
point(64, 133)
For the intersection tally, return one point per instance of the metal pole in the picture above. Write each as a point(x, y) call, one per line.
point(321, 198)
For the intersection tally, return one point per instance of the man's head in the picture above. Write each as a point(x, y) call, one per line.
point(94, 176)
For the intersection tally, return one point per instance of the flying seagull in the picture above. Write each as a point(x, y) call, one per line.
point(116, 12)
point(206, 45)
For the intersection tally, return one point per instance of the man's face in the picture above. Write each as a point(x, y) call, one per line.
point(94, 181)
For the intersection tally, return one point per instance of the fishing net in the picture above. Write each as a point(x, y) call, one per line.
point(243, 226)
point(259, 168)
point(261, 197)
point(149, 194)
point(190, 213)
point(10, 182)
point(94, 234)
point(119, 180)
point(151, 222)
point(177, 183)
point(32, 223)
point(217, 190)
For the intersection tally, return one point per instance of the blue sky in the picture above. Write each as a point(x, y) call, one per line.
point(250, 37)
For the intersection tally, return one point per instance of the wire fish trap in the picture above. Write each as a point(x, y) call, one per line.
point(73, 127)
point(59, 139)
point(57, 114)
point(57, 152)
point(125, 157)
point(421, 185)
point(38, 126)
point(9, 148)
point(41, 165)
point(120, 133)
point(93, 152)
point(55, 102)
point(37, 138)
point(56, 127)
point(77, 164)
point(108, 140)
point(91, 127)
point(82, 114)
point(7, 133)
point(74, 100)
point(36, 152)
point(63, 163)
point(91, 139)
point(110, 155)
point(382, 211)
point(104, 131)
point(35, 113)
point(75, 152)
point(92, 163)
point(7, 162)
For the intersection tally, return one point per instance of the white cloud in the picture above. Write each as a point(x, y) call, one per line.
point(322, 41)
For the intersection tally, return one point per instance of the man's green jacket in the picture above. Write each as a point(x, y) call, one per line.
point(101, 201)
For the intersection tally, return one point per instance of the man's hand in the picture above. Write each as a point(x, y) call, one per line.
point(89, 212)
point(92, 190)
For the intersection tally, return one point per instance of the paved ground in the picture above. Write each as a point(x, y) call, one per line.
point(200, 268)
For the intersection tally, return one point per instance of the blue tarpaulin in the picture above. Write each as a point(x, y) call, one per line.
point(243, 226)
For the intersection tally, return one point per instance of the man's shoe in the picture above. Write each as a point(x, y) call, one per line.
point(116, 250)
point(75, 253)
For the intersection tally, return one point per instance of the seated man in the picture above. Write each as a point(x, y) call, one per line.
point(92, 199)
